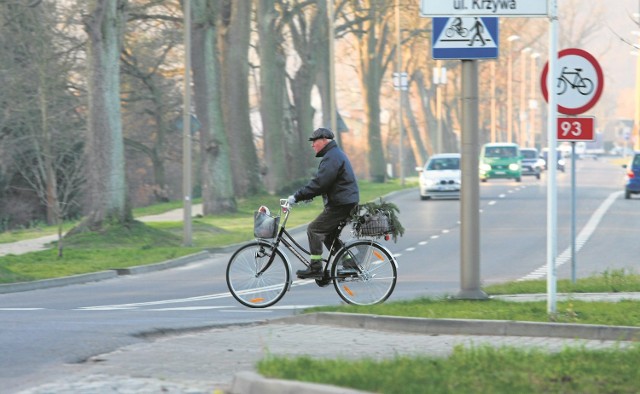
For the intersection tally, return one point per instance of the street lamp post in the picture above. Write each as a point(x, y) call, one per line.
point(533, 103)
point(439, 78)
point(332, 72)
point(510, 39)
point(522, 111)
point(636, 120)
point(186, 124)
point(401, 88)
point(493, 101)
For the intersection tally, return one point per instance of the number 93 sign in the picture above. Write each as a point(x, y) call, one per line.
point(575, 129)
point(579, 81)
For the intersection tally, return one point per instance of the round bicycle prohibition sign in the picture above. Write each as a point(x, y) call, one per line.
point(579, 82)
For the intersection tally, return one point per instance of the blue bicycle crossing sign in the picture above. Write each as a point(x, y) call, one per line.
point(465, 38)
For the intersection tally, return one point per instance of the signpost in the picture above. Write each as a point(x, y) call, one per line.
point(524, 8)
point(465, 38)
point(579, 84)
point(580, 81)
point(470, 241)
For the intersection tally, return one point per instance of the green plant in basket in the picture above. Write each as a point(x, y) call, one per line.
point(377, 218)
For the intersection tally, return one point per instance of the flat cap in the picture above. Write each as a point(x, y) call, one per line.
point(321, 133)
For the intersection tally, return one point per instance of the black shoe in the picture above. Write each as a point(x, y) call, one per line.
point(313, 271)
point(349, 264)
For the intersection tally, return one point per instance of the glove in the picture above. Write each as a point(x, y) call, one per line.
point(291, 199)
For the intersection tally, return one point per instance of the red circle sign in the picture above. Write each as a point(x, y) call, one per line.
point(579, 83)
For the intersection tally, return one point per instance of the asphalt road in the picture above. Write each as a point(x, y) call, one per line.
point(42, 329)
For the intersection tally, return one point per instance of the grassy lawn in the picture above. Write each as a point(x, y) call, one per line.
point(139, 244)
point(473, 370)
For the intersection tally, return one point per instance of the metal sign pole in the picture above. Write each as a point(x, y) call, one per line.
point(573, 212)
point(552, 190)
point(470, 196)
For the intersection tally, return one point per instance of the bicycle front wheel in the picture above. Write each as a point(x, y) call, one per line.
point(249, 284)
point(374, 279)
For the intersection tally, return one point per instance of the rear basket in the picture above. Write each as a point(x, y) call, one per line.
point(376, 225)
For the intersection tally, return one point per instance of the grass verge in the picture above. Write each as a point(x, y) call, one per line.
point(487, 369)
point(481, 369)
point(148, 243)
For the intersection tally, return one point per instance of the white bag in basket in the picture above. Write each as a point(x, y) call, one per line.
point(264, 225)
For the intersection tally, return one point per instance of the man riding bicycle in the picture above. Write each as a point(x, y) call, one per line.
point(337, 184)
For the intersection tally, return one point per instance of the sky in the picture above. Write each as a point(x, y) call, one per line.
point(617, 58)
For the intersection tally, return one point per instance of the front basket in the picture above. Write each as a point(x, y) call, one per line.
point(265, 226)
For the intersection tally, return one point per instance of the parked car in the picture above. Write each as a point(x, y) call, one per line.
point(621, 151)
point(532, 164)
point(500, 160)
point(559, 161)
point(440, 177)
point(632, 179)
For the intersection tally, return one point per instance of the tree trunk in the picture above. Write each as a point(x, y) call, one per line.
point(273, 98)
point(235, 41)
point(372, 66)
point(217, 185)
point(309, 35)
point(105, 146)
point(417, 145)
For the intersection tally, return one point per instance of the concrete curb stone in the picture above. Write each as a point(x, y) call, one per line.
point(253, 383)
point(426, 326)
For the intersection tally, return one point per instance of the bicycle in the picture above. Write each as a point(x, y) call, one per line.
point(580, 83)
point(259, 273)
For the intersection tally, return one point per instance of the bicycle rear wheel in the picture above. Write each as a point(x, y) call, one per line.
point(374, 279)
point(252, 288)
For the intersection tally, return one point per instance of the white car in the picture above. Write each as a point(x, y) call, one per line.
point(440, 177)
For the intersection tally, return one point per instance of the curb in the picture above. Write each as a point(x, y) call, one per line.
point(102, 275)
point(56, 282)
point(253, 383)
point(180, 261)
point(428, 326)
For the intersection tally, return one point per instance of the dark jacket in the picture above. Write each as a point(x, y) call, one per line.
point(335, 179)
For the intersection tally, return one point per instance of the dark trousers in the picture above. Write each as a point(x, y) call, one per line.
point(323, 228)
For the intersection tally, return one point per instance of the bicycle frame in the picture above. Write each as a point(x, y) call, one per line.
point(286, 239)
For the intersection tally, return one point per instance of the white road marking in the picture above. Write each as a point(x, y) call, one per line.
point(581, 239)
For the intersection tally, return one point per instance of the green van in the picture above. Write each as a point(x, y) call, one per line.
point(500, 160)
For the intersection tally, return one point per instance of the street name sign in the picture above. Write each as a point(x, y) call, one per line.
point(465, 38)
point(576, 128)
point(514, 8)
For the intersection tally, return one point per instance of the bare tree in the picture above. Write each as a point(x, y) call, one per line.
point(234, 38)
point(217, 186)
point(104, 24)
point(274, 100)
point(373, 42)
point(41, 129)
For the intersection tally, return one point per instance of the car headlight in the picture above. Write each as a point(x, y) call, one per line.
point(561, 162)
point(485, 167)
point(514, 166)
